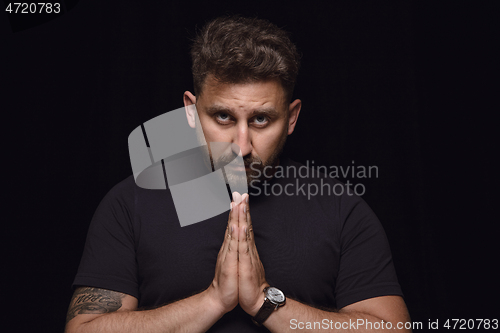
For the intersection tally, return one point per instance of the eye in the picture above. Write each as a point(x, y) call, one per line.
point(261, 120)
point(222, 118)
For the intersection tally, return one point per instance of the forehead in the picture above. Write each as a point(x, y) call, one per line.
point(258, 94)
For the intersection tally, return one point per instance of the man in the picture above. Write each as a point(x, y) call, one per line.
point(286, 262)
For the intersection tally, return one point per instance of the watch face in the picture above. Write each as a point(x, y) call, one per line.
point(275, 295)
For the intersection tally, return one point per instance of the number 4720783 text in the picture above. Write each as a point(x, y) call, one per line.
point(33, 8)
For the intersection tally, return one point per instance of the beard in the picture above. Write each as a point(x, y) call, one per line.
point(254, 165)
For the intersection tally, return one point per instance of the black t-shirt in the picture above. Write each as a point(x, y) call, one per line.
point(323, 250)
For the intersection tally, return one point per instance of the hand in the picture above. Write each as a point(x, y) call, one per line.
point(252, 280)
point(224, 287)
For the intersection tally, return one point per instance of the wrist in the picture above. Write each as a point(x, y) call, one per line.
point(260, 301)
point(273, 299)
point(252, 311)
point(211, 303)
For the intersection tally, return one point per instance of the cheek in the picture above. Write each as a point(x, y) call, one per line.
point(266, 142)
point(212, 131)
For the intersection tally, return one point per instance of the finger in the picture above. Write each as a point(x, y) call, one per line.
point(248, 217)
point(236, 197)
point(231, 238)
point(227, 231)
point(254, 255)
point(232, 247)
point(243, 244)
point(242, 218)
point(236, 200)
point(250, 236)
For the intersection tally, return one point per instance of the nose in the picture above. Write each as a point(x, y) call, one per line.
point(243, 139)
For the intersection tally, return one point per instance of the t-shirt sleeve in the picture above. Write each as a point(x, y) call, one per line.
point(366, 268)
point(108, 259)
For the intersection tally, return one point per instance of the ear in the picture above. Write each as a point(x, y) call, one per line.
point(189, 105)
point(293, 114)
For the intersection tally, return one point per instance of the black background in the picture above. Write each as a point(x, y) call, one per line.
point(405, 85)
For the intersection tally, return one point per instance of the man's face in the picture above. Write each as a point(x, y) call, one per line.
point(254, 116)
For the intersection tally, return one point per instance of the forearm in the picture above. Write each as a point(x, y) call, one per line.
point(193, 314)
point(295, 316)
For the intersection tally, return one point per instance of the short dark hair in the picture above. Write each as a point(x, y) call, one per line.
point(236, 49)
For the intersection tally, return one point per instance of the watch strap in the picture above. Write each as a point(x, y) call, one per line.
point(264, 312)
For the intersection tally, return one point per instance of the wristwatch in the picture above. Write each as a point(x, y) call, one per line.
point(274, 298)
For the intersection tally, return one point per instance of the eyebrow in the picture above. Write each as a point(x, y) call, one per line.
point(268, 111)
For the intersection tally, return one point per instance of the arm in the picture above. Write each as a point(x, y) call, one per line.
point(101, 310)
point(363, 316)
point(355, 317)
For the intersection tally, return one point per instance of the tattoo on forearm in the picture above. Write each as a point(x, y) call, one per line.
point(94, 301)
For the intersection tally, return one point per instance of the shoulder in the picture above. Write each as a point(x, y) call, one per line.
point(126, 192)
point(119, 200)
point(126, 186)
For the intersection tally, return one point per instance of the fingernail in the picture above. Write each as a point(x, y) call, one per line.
point(245, 197)
point(236, 197)
point(232, 228)
point(231, 206)
point(245, 209)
